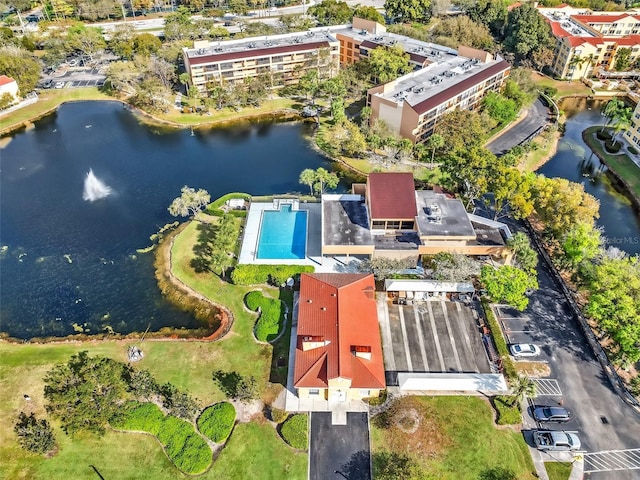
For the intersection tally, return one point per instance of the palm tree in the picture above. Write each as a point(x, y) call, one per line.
point(576, 61)
point(622, 123)
point(590, 61)
point(612, 111)
point(522, 387)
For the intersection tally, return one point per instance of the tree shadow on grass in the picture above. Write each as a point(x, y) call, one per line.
point(203, 249)
point(228, 382)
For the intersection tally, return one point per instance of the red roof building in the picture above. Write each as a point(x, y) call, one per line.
point(338, 353)
point(391, 198)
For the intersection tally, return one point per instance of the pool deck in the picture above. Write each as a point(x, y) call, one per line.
point(248, 252)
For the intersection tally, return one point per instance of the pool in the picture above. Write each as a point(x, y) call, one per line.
point(283, 234)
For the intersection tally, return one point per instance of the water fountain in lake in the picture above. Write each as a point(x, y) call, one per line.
point(94, 188)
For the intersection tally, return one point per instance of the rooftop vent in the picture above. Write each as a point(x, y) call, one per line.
point(324, 309)
point(252, 45)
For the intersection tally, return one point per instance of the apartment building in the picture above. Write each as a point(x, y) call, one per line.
point(279, 59)
point(633, 134)
point(589, 42)
point(412, 104)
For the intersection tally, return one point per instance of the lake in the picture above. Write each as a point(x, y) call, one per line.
point(66, 260)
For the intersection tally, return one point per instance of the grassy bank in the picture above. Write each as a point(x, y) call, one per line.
point(455, 438)
point(620, 164)
point(564, 87)
point(47, 102)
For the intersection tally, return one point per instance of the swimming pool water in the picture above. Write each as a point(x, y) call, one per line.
point(283, 234)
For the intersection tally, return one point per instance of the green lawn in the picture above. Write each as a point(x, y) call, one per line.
point(558, 470)
point(565, 88)
point(455, 439)
point(620, 164)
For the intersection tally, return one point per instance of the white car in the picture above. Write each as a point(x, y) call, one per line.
point(524, 350)
point(59, 85)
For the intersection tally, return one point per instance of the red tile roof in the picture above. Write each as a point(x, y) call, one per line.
point(391, 195)
point(629, 40)
point(256, 52)
point(341, 308)
point(587, 19)
point(4, 80)
point(456, 89)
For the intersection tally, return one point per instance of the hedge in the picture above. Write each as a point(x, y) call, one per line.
point(499, 341)
point(247, 274)
point(214, 207)
point(271, 315)
point(294, 431)
point(185, 448)
point(633, 150)
point(216, 421)
point(612, 147)
point(507, 414)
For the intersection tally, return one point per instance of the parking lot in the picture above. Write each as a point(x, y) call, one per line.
point(437, 336)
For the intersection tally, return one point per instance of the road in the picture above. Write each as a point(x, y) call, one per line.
point(604, 421)
point(537, 117)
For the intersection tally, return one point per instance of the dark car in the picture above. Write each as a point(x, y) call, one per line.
point(551, 414)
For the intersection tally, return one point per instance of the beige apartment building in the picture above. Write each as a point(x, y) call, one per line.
point(589, 42)
point(412, 104)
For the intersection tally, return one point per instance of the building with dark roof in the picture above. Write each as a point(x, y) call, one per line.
point(387, 217)
point(338, 354)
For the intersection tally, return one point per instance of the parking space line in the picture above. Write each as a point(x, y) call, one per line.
point(451, 336)
point(389, 358)
point(423, 350)
point(435, 336)
point(465, 331)
point(547, 387)
point(405, 340)
point(610, 460)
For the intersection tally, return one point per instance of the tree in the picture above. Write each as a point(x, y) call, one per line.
point(434, 142)
point(368, 13)
point(190, 202)
point(20, 65)
point(502, 109)
point(146, 44)
point(462, 129)
point(525, 256)
point(387, 63)
point(86, 392)
point(526, 31)
point(331, 12)
point(623, 59)
point(461, 30)
point(492, 13)
point(408, 10)
point(508, 284)
point(522, 387)
point(613, 303)
point(383, 267)
point(121, 41)
point(178, 403)
point(353, 143)
point(87, 40)
point(511, 192)
point(325, 180)
point(469, 171)
point(142, 385)
point(295, 22)
point(622, 122)
point(581, 243)
point(6, 99)
point(560, 204)
point(247, 389)
point(453, 267)
point(35, 436)
point(612, 110)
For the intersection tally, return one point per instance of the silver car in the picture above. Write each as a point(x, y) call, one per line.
point(556, 441)
point(551, 414)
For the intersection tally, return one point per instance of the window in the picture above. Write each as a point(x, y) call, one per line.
point(314, 391)
point(365, 393)
point(407, 226)
point(393, 225)
point(378, 224)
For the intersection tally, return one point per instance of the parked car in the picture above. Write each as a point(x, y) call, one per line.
point(556, 441)
point(524, 350)
point(59, 85)
point(551, 414)
point(73, 62)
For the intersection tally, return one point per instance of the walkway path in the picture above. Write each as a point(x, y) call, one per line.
point(521, 130)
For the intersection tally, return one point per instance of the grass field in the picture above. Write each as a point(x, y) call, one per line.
point(620, 164)
point(558, 470)
point(455, 439)
point(564, 87)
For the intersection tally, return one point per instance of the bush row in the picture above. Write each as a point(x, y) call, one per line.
point(294, 431)
point(185, 448)
point(246, 274)
point(216, 421)
point(271, 315)
point(499, 341)
point(508, 414)
point(214, 207)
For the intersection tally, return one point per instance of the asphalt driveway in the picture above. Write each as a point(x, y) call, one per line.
point(537, 117)
point(339, 451)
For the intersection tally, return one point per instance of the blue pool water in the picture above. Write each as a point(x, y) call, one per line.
point(283, 234)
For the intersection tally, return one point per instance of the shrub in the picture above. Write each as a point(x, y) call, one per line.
point(611, 147)
point(379, 400)
point(35, 436)
point(508, 414)
point(277, 415)
point(498, 340)
point(246, 274)
point(603, 135)
point(550, 91)
point(633, 150)
point(187, 450)
point(271, 315)
point(294, 431)
point(216, 421)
